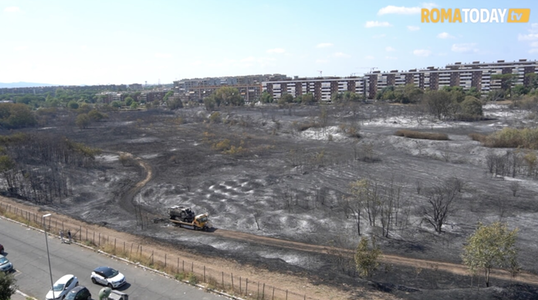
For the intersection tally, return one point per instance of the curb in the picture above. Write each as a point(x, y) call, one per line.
point(24, 295)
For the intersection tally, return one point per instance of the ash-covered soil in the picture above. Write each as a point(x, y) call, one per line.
point(292, 184)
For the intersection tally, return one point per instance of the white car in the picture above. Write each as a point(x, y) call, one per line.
point(62, 286)
point(108, 276)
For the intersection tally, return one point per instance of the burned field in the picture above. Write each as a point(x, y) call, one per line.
point(288, 174)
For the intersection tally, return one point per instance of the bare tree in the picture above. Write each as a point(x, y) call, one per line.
point(440, 204)
point(514, 187)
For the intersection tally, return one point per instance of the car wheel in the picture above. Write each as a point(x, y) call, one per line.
point(110, 286)
point(94, 281)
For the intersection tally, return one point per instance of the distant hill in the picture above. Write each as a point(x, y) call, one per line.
point(23, 84)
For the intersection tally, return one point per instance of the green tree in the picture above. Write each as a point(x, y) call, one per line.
point(168, 95)
point(116, 104)
point(228, 95)
point(439, 103)
point(174, 103)
point(473, 91)
point(366, 258)
point(20, 115)
point(491, 246)
point(266, 98)
point(134, 105)
point(95, 115)
point(128, 101)
point(83, 121)
point(472, 106)
point(7, 286)
point(308, 99)
point(507, 80)
point(72, 105)
point(210, 103)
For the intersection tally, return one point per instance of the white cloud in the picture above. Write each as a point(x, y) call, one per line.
point(370, 24)
point(340, 54)
point(422, 52)
point(531, 36)
point(276, 50)
point(321, 61)
point(402, 10)
point(324, 45)
point(464, 48)
point(413, 28)
point(389, 49)
point(379, 36)
point(12, 9)
point(391, 57)
point(369, 57)
point(445, 35)
point(429, 5)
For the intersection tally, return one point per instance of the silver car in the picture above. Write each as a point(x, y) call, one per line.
point(5, 264)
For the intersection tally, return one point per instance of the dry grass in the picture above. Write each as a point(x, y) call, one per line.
point(421, 135)
point(526, 138)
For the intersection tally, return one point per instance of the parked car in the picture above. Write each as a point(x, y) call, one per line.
point(5, 264)
point(79, 293)
point(108, 276)
point(62, 286)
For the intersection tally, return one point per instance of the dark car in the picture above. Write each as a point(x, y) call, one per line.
point(79, 293)
point(1, 248)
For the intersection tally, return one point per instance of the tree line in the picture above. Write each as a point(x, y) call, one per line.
point(34, 167)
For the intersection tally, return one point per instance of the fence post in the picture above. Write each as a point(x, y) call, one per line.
point(114, 245)
point(286, 294)
point(177, 268)
point(222, 279)
point(246, 286)
point(204, 273)
point(99, 244)
point(232, 276)
point(152, 257)
point(183, 266)
point(165, 260)
point(273, 296)
point(263, 291)
point(240, 285)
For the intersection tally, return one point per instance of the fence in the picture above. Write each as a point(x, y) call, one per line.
point(173, 265)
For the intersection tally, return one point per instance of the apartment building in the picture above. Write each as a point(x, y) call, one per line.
point(249, 86)
point(476, 74)
point(322, 88)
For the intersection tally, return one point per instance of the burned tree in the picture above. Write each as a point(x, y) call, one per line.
point(440, 204)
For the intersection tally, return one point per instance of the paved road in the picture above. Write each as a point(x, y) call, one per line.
point(26, 248)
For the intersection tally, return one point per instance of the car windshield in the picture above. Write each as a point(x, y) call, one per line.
point(3, 260)
point(58, 287)
point(110, 273)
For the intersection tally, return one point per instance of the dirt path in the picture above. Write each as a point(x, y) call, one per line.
point(458, 269)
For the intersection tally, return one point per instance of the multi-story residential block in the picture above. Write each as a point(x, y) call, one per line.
point(197, 89)
point(322, 88)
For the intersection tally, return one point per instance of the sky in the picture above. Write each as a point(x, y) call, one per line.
point(124, 42)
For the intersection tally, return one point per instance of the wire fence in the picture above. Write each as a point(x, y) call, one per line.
point(146, 255)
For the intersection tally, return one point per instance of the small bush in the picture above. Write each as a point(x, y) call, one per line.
point(421, 135)
point(192, 278)
point(478, 137)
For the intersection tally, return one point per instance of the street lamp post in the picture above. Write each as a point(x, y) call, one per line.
point(48, 255)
